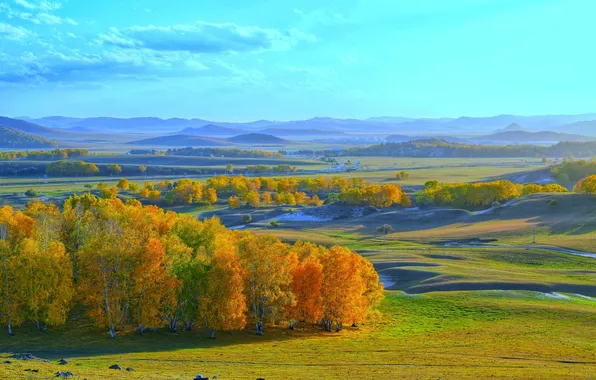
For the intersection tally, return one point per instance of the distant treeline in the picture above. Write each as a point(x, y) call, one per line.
point(56, 154)
point(209, 152)
point(442, 148)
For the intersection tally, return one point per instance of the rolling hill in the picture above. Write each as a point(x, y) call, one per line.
point(180, 140)
point(28, 127)
point(300, 132)
point(257, 138)
point(528, 137)
point(581, 127)
point(12, 139)
point(211, 130)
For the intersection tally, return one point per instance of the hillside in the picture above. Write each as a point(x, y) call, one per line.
point(12, 138)
point(510, 128)
point(257, 138)
point(180, 140)
point(211, 130)
point(528, 137)
point(300, 133)
point(582, 127)
point(27, 127)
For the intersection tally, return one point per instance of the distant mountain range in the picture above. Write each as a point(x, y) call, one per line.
point(211, 130)
point(529, 137)
point(577, 124)
point(180, 140)
point(193, 141)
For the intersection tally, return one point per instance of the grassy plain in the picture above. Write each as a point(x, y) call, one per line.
point(463, 335)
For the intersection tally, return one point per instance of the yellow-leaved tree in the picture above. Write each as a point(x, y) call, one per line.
point(268, 267)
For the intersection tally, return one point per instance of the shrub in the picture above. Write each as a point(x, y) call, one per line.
point(274, 223)
point(31, 193)
point(332, 198)
point(245, 218)
point(553, 202)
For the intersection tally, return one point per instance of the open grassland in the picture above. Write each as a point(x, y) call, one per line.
point(463, 335)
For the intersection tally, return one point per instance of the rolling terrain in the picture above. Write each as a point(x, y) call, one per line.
point(11, 138)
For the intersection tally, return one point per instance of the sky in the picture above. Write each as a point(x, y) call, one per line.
point(238, 60)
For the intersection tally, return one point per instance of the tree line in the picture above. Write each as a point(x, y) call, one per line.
point(125, 263)
point(222, 152)
point(257, 191)
point(479, 195)
point(442, 148)
point(43, 155)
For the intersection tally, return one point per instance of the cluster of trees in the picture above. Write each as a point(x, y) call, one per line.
point(402, 175)
point(254, 199)
point(477, 195)
point(380, 196)
point(182, 191)
point(153, 152)
point(284, 168)
point(77, 167)
point(442, 148)
point(292, 191)
point(573, 171)
point(125, 263)
point(239, 185)
point(221, 152)
point(586, 185)
point(43, 155)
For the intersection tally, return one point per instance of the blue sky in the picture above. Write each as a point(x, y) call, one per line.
point(242, 60)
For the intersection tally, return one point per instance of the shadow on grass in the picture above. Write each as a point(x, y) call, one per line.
point(82, 338)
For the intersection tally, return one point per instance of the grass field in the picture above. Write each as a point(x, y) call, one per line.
point(462, 335)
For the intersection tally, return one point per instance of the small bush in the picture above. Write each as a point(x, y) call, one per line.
point(31, 193)
point(553, 202)
point(274, 223)
point(245, 219)
point(332, 198)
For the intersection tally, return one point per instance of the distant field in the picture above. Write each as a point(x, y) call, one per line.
point(172, 167)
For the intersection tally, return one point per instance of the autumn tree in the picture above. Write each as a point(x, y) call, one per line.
point(211, 196)
point(224, 306)
point(48, 285)
point(154, 287)
point(114, 169)
point(123, 184)
point(268, 268)
point(233, 202)
point(14, 228)
point(267, 198)
point(307, 284)
point(586, 185)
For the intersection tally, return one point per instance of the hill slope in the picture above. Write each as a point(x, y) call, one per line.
point(524, 137)
point(180, 140)
point(582, 127)
point(211, 130)
point(12, 138)
point(27, 127)
point(257, 138)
